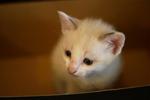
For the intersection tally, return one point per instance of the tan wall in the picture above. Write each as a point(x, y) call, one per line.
point(31, 28)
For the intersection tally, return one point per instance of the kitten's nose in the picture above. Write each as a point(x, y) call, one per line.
point(73, 66)
point(72, 69)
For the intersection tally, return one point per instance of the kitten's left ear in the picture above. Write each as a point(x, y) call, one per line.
point(67, 22)
point(115, 42)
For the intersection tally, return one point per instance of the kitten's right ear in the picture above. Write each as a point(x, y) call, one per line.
point(67, 22)
point(115, 42)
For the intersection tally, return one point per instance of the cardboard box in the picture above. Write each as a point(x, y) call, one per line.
point(29, 30)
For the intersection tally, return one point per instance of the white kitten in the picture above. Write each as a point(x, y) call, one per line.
point(87, 55)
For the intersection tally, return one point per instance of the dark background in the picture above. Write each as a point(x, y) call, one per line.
point(28, 31)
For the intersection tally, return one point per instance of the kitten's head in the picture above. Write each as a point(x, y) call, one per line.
point(88, 45)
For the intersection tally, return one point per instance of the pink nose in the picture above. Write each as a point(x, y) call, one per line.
point(72, 69)
point(73, 66)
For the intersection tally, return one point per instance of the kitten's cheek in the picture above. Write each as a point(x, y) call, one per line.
point(66, 61)
point(80, 73)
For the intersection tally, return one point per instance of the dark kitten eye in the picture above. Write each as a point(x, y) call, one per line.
point(68, 53)
point(87, 61)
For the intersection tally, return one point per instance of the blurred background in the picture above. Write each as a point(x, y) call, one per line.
point(29, 30)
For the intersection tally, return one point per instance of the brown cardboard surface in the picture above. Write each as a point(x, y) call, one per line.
point(28, 32)
point(31, 75)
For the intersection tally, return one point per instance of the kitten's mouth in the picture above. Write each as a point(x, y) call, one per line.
point(73, 74)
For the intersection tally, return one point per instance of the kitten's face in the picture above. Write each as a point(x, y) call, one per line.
point(84, 55)
point(87, 45)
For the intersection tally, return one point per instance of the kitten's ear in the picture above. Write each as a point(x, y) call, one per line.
point(67, 22)
point(115, 42)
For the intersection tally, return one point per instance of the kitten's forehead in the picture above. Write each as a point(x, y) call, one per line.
point(94, 27)
point(82, 44)
point(85, 37)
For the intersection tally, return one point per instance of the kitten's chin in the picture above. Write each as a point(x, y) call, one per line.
point(74, 75)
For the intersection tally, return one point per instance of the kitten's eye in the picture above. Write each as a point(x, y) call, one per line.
point(87, 61)
point(68, 53)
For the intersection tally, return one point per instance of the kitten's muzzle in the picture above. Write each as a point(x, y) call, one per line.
point(72, 68)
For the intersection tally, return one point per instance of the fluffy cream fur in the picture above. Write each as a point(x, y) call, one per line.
point(86, 39)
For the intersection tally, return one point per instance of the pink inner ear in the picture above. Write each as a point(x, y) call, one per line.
point(66, 24)
point(116, 45)
point(115, 42)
